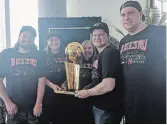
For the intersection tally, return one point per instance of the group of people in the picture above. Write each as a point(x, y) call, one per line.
point(128, 82)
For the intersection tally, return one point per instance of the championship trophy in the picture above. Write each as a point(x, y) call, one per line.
point(74, 54)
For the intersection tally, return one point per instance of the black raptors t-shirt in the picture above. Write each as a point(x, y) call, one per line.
point(56, 68)
point(55, 73)
point(143, 57)
point(107, 65)
point(22, 72)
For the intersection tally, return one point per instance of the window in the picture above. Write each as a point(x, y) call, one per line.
point(23, 12)
point(158, 4)
point(2, 25)
point(162, 6)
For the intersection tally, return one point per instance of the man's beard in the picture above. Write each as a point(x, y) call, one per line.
point(26, 45)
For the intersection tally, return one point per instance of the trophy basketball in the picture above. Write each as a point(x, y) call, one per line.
point(74, 54)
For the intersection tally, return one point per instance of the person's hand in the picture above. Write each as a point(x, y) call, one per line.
point(55, 87)
point(11, 108)
point(82, 94)
point(37, 110)
point(64, 86)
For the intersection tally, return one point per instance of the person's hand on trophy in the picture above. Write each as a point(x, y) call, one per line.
point(64, 86)
point(55, 87)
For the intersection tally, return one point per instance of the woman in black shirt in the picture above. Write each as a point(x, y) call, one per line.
point(85, 105)
point(55, 76)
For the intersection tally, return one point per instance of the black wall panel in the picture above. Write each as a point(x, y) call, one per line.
point(70, 29)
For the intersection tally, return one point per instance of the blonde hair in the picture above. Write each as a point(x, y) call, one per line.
point(85, 42)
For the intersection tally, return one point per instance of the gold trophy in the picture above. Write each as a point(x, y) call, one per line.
point(74, 54)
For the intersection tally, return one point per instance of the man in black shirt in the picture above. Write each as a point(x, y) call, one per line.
point(143, 56)
point(106, 87)
point(25, 85)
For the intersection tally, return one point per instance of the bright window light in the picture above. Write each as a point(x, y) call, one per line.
point(23, 12)
point(2, 26)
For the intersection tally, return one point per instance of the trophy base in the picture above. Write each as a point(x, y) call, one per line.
point(64, 92)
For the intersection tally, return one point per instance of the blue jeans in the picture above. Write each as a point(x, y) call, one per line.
point(104, 117)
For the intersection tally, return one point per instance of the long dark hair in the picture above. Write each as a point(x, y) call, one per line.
point(29, 29)
point(48, 49)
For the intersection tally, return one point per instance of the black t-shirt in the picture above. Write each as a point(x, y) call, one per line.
point(143, 57)
point(22, 72)
point(107, 65)
point(56, 68)
point(85, 73)
point(55, 73)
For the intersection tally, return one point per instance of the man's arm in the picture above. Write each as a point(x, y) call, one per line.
point(91, 85)
point(10, 106)
point(37, 111)
point(107, 85)
point(109, 64)
point(41, 68)
point(3, 63)
point(40, 94)
point(3, 93)
point(40, 91)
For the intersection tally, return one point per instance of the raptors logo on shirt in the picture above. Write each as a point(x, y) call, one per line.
point(134, 52)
